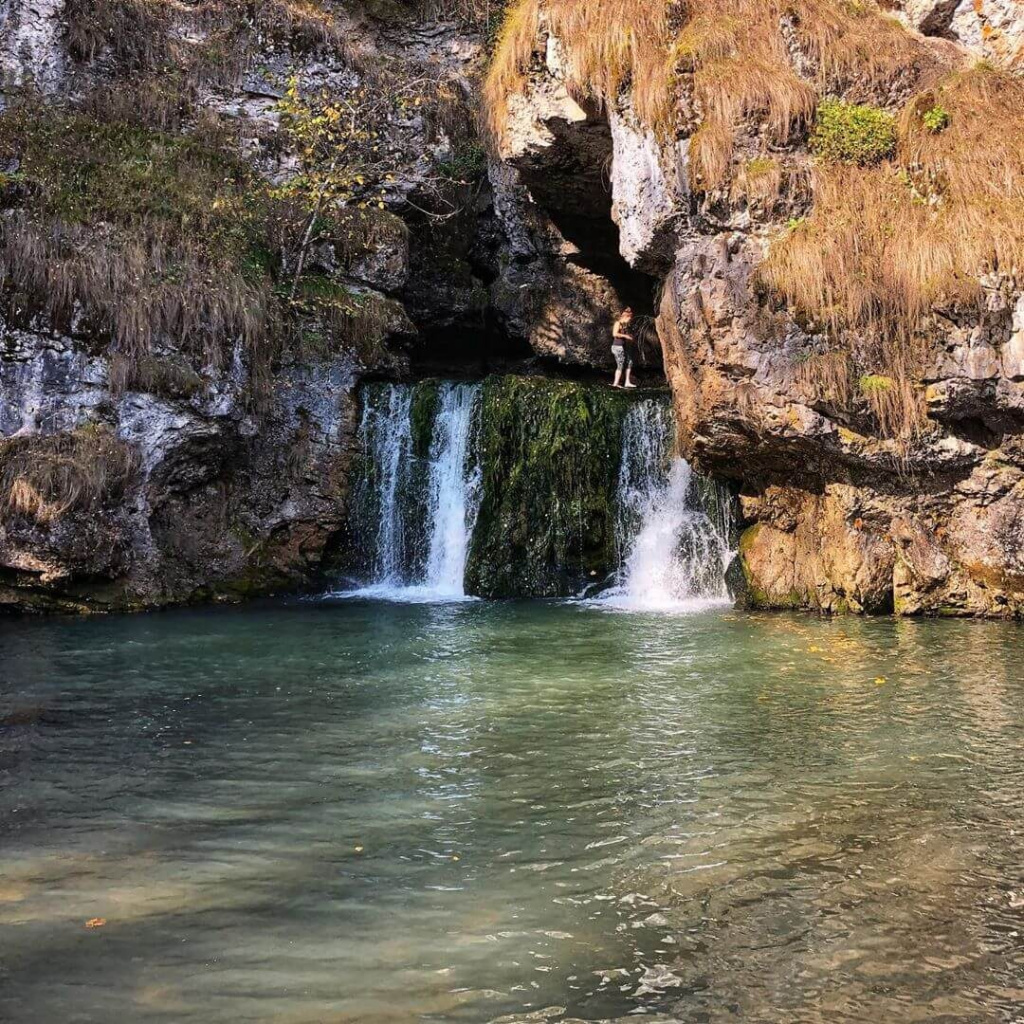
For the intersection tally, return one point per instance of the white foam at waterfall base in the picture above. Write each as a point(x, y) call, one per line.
point(672, 556)
point(452, 499)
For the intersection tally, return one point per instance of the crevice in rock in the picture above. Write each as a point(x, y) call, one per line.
point(463, 351)
point(596, 241)
point(584, 279)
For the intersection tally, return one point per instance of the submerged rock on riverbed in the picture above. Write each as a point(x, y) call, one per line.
point(555, 1015)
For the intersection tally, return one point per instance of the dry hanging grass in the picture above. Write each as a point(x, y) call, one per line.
point(133, 234)
point(887, 245)
point(136, 289)
point(735, 58)
point(173, 49)
point(44, 477)
point(213, 37)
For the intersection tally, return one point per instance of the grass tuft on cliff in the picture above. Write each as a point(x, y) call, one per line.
point(171, 52)
point(45, 477)
point(131, 233)
point(146, 239)
point(732, 59)
point(210, 38)
point(853, 133)
point(886, 245)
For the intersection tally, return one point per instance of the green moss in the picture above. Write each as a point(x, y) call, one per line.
point(756, 595)
point(853, 133)
point(749, 537)
point(84, 170)
point(936, 119)
point(759, 167)
point(422, 413)
point(875, 383)
point(467, 163)
point(550, 452)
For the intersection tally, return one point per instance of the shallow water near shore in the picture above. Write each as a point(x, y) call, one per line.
point(355, 811)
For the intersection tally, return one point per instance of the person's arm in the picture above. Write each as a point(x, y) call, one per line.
point(618, 331)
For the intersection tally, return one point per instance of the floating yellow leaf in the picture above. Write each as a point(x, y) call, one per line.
point(95, 922)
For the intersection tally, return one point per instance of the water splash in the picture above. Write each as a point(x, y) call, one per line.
point(436, 513)
point(672, 553)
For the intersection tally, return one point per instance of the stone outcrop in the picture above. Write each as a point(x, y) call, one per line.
point(562, 280)
point(837, 516)
point(223, 501)
point(993, 29)
point(32, 52)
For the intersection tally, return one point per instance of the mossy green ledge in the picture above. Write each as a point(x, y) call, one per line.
point(549, 453)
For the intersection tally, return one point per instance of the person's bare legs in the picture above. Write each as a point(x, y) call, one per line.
point(629, 383)
point(618, 377)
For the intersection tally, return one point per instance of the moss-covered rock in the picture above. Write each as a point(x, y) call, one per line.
point(422, 413)
point(550, 453)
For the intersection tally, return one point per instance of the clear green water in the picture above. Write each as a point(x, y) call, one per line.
point(381, 813)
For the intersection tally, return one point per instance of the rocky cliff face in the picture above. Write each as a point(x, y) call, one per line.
point(843, 510)
point(180, 427)
point(177, 376)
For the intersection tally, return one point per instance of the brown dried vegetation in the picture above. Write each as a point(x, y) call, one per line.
point(44, 477)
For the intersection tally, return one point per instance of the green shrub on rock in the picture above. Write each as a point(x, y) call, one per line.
point(853, 133)
point(936, 119)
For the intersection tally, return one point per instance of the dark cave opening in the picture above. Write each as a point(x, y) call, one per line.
point(468, 350)
point(570, 182)
point(596, 241)
point(576, 282)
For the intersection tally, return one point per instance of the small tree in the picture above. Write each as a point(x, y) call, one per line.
point(338, 143)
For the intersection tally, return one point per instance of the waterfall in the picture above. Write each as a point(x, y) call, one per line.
point(385, 431)
point(415, 517)
point(673, 529)
point(454, 491)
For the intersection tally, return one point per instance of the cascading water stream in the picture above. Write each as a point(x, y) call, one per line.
point(419, 493)
point(454, 491)
point(672, 553)
point(424, 520)
point(386, 433)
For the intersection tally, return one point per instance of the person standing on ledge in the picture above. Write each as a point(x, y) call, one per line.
point(622, 348)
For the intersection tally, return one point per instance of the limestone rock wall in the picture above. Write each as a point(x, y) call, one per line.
point(991, 28)
point(837, 516)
